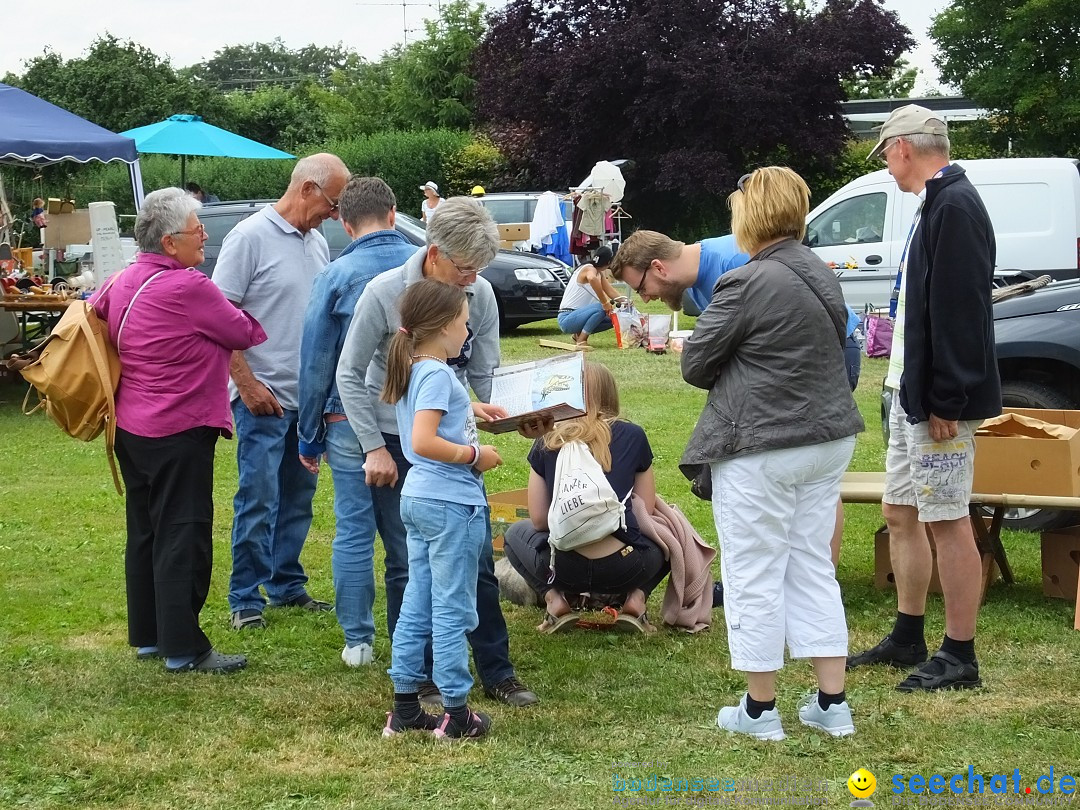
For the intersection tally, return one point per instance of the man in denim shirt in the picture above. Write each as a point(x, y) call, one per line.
point(367, 209)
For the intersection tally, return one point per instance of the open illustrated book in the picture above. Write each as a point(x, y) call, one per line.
point(554, 387)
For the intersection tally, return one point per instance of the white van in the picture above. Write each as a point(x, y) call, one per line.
point(1034, 204)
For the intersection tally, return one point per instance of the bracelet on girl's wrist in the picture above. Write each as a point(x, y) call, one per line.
point(476, 455)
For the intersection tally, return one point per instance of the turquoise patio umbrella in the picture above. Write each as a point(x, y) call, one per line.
point(189, 135)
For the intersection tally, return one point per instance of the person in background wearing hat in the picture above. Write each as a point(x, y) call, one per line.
point(431, 200)
point(589, 300)
point(477, 191)
point(945, 369)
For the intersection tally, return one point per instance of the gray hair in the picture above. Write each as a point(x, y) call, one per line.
point(320, 169)
point(925, 144)
point(164, 211)
point(365, 199)
point(464, 230)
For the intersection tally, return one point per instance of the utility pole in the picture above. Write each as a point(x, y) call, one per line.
point(405, 5)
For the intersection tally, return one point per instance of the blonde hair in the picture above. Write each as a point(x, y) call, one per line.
point(426, 307)
point(594, 428)
point(772, 204)
point(641, 248)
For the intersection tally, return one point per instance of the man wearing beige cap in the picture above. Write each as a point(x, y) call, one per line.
point(944, 367)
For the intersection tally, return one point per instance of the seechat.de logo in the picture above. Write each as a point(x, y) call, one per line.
point(862, 785)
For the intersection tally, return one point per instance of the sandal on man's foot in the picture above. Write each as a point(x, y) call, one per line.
point(626, 623)
point(307, 602)
point(557, 624)
point(395, 725)
point(249, 619)
point(212, 661)
point(942, 671)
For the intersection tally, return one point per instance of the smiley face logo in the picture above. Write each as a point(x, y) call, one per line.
point(862, 784)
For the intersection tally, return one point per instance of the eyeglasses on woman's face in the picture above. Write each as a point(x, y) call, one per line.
point(198, 230)
point(464, 272)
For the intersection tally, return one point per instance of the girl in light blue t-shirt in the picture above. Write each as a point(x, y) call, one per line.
point(443, 507)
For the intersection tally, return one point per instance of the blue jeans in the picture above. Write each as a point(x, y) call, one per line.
point(439, 608)
point(490, 641)
point(353, 552)
point(589, 319)
point(271, 511)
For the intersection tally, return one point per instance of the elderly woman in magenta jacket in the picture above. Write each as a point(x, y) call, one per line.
point(778, 431)
point(175, 333)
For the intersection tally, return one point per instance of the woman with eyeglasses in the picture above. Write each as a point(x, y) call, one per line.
point(174, 332)
point(778, 431)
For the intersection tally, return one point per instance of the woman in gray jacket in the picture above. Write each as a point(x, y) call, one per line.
point(777, 432)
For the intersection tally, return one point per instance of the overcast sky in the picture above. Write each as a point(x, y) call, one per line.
point(190, 31)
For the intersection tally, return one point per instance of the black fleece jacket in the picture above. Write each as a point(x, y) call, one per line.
point(950, 365)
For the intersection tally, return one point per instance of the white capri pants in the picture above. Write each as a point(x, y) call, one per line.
point(775, 512)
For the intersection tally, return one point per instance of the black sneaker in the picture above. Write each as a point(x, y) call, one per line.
point(430, 695)
point(943, 671)
point(513, 692)
point(395, 725)
point(890, 653)
point(478, 725)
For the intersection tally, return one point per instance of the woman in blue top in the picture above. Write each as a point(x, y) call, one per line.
point(443, 507)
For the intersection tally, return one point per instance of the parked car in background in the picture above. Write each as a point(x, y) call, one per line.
point(1037, 336)
point(1034, 204)
point(509, 207)
point(527, 287)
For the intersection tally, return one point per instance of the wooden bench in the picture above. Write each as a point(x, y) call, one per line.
point(869, 487)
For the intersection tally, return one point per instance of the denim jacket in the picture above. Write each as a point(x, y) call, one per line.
point(334, 294)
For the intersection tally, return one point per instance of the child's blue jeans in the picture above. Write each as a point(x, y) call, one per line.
point(445, 540)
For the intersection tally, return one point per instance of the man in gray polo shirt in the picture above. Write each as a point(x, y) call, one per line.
point(266, 266)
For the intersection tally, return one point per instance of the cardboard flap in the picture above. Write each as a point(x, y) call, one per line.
point(1014, 424)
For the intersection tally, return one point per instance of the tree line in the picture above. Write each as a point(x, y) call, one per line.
point(694, 92)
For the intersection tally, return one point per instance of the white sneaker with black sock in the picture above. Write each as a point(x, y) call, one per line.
point(736, 720)
point(835, 720)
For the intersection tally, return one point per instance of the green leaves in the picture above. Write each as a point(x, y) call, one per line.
point(1021, 59)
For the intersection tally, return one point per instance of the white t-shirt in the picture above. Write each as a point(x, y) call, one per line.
point(896, 355)
point(578, 294)
point(427, 209)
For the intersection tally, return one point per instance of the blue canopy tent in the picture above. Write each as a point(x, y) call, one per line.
point(34, 132)
point(189, 135)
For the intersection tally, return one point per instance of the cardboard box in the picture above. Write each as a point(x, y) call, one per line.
point(68, 229)
point(516, 232)
point(1061, 562)
point(1032, 464)
point(55, 205)
point(507, 508)
point(884, 577)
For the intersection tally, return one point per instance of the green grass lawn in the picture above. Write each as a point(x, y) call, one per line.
point(82, 724)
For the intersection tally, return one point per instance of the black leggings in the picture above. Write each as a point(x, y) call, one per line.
point(641, 565)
